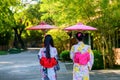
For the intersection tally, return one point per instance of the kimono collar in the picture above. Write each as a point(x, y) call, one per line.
point(80, 42)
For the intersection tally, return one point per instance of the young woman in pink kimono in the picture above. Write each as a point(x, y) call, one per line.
point(48, 51)
point(80, 71)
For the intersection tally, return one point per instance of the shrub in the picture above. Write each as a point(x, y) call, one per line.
point(3, 52)
point(65, 55)
point(98, 60)
point(14, 50)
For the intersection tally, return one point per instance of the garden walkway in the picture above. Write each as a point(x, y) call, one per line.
point(25, 66)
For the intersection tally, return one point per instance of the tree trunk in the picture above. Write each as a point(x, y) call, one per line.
point(15, 42)
point(21, 42)
point(18, 40)
point(103, 52)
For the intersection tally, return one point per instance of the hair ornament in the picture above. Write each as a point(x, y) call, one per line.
point(79, 34)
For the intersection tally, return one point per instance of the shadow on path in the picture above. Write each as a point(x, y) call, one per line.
point(25, 66)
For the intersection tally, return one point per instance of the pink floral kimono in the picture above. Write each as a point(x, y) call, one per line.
point(48, 73)
point(81, 72)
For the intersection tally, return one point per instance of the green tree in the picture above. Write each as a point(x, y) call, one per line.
point(19, 25)
point(33, 17)
point(33, 14)
point(108, 24)
point(103, 14)
point(61, 39)
point(6, 20)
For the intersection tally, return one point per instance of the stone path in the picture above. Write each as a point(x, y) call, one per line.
point(25, 66)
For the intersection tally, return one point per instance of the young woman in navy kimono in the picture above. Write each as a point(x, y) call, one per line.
point(48, 51)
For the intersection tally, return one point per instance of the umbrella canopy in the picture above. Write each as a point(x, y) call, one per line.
point(79, 26)
point(42, 26)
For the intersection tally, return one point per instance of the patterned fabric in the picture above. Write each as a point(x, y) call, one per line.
point(81, 72)
point(48, 73)
point(81, 58)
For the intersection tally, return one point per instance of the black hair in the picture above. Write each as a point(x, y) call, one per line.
point(79, 36)
point(47, 42)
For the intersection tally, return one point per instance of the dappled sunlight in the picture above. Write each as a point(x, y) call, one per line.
point(24, 65)
point(6, 63)
point(105, 72)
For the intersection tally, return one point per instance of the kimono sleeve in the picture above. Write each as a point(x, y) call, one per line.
point(40, 53)
point(56, 53)
point(72, 52)
point(91, 61)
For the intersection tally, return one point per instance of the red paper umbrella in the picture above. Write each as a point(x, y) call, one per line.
point(41, 26)
point(79, 27)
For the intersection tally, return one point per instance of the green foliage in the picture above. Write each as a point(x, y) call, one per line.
point(34, 38)
point(65, 55)
point(33, 13)
point(14, 50)
point(7, 20)
point(67, 12)
point(3, 52)
point(5, 37)
point(98, 60)
point(6, 16)
point(34, 35)
point(60, 38)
